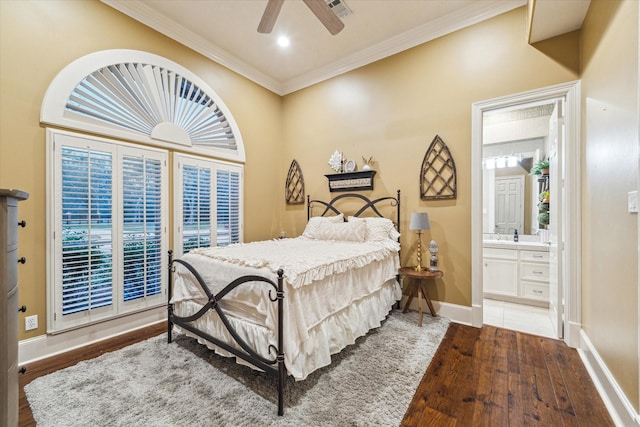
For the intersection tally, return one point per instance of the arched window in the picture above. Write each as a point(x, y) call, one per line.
point(142, 97)
point(108, 189)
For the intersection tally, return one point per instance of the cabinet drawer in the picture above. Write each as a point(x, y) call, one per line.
point(498, 253)
point(12, 226)
point(534, 271)
point(10, 275)
point(534, 256)
point(535, 290)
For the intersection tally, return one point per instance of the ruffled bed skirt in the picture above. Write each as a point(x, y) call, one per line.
point(328, 337)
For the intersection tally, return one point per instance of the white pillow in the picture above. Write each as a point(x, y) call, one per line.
point(345, 231)
point(377, 228)
point(314, 223)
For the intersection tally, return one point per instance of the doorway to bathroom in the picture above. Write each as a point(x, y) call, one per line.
point(525, 205)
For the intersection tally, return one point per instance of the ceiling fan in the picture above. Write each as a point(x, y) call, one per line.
point(319, 8)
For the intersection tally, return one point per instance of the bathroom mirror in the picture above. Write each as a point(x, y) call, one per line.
point(513, 141)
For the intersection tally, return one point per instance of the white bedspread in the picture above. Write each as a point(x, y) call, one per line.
point(323, 279)
point(303, 260)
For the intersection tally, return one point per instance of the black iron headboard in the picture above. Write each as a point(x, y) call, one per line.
point(367, 203)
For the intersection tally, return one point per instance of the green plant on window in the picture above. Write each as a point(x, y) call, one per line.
point(541, 165)
point(543, 197)
point(543, 218)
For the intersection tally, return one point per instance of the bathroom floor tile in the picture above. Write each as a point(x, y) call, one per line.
point(518, 317)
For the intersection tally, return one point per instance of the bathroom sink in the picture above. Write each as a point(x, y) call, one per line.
point(510, 244)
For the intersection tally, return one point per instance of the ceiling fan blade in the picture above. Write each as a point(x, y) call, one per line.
point(324, 13)
point(269, 16)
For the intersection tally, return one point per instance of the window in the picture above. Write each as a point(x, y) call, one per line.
point(109, 229)
point(141, 97)
point(207, 203)
point(107, 201)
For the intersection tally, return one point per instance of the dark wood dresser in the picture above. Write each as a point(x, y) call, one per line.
point(9, 261)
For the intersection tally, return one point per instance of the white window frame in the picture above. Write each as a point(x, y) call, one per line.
point(56, 322)
point(181, 160)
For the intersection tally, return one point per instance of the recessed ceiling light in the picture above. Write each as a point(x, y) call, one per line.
point(283, 41)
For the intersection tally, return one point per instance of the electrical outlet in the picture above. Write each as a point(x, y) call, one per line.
point(31, 322)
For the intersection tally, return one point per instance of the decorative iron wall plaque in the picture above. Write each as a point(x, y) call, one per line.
point(294, 187)
point(438, 174)
point(350, 181)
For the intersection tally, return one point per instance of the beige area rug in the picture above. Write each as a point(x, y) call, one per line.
point(152, 383)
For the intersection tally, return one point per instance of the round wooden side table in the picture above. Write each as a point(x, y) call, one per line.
point(418, 286)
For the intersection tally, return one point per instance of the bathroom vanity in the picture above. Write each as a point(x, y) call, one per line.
point(516, 271)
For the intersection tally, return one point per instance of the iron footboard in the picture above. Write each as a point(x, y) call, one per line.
point(273, 366)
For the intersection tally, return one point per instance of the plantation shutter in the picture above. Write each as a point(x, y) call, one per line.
point(207, 203)
point(196, 207)
point(87, 239)
point(109, 230)
point(142, 226)
point(228, 188)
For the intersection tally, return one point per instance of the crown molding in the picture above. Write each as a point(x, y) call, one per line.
point(419, 35)
point(466, 17)
point(149, 17)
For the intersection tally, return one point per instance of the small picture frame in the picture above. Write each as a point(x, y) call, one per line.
point(350, 166)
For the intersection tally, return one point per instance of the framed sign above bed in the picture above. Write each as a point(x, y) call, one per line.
point(351, 181)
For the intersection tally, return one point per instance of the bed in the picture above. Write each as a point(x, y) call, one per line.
point(285, 306)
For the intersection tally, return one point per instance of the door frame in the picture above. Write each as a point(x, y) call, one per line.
point(571, 258)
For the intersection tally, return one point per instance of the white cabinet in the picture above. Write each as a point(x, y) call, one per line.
point(516, 273)
point(500, 272)
point(534, 275)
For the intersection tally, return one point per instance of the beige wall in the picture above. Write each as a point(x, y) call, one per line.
point(610, 170)
point(38, 39)
point(392, 110)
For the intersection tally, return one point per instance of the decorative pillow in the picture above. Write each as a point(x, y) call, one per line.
point(314, 223)
point(345, 231)
point(377, 228)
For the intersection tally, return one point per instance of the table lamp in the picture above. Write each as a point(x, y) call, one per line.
point(419, 221)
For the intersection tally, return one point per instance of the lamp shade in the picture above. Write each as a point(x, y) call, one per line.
point(419, 221)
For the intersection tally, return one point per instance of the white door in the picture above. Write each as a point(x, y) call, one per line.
point(556, 235)
point(509, 210)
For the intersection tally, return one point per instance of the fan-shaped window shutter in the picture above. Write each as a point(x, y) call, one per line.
point(142, 97)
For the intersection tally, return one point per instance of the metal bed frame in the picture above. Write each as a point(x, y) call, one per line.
point(276, 365)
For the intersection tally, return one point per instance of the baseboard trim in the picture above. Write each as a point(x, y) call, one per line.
point(572, 333)
point(620, 409)
point(43, 346)
point(454, 312)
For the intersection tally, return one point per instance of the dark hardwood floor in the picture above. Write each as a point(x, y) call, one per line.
point(478, 377)
point(499, 377)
